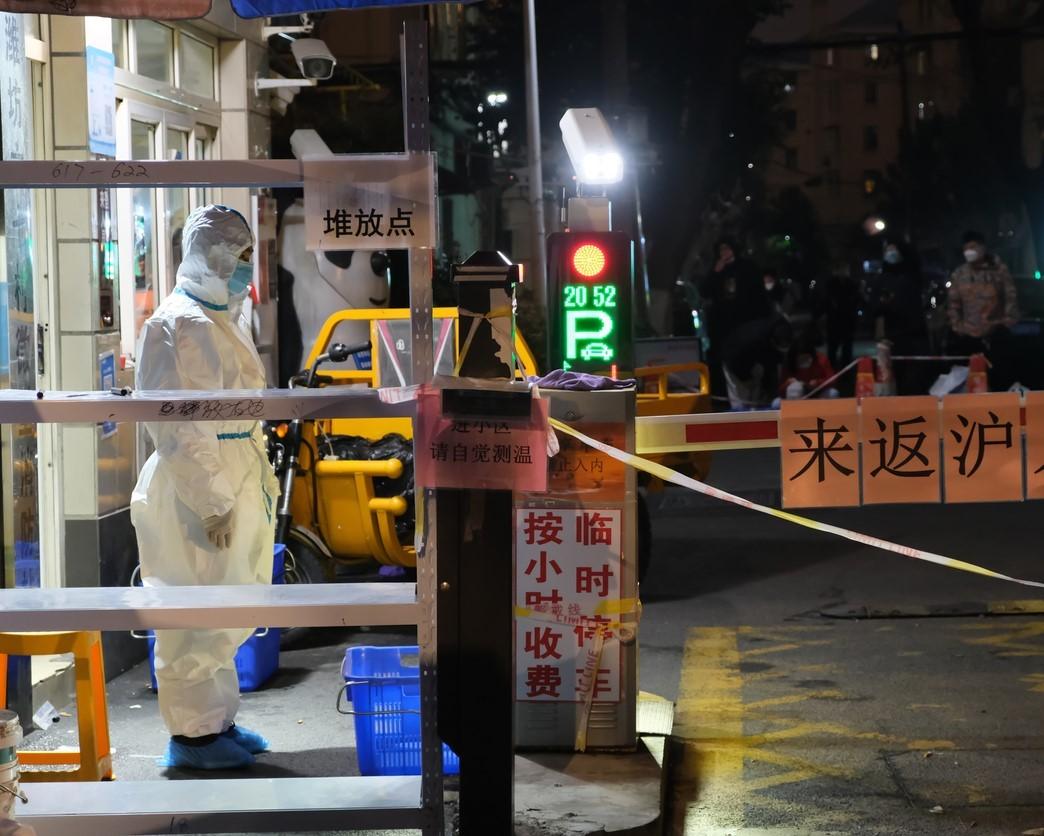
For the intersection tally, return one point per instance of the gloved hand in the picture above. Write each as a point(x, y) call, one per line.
point(219, 529)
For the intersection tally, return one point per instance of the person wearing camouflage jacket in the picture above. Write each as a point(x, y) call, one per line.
point(982, 307)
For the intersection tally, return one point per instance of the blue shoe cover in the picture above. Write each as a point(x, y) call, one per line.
point(254, 743)
point(223, 753)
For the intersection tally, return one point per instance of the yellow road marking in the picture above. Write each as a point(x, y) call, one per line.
point(720, 771)
point(1009, 642)
point(781, 648)
point(709, 694)
point(791, 699)
point(1032, 605)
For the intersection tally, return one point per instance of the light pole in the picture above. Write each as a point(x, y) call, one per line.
point(536, 176)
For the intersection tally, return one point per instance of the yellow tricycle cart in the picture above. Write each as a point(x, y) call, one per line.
point(351, 502)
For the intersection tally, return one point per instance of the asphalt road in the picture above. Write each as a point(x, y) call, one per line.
point(829, 688)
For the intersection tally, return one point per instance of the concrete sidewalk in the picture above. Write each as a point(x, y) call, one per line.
point(573, 795)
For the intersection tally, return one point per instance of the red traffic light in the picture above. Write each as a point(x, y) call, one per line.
point(589, 260)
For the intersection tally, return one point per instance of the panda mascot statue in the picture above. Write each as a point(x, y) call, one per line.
point(313, 285)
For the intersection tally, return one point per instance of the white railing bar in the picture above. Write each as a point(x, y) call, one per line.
point(20, 406)
point(212, 607)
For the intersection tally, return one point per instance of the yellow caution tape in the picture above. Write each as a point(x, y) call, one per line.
point(672, 476)
point(623, 606)
point(593, 657)
point(588, 679)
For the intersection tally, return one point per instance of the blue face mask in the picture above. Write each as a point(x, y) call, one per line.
point(240, 279)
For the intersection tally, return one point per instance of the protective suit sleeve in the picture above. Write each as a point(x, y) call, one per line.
point(178, 356)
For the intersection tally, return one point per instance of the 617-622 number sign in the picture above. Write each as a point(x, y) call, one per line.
point(589, 286)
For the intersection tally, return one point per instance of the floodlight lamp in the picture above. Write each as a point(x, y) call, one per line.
point(603, 168)
point(590, 146)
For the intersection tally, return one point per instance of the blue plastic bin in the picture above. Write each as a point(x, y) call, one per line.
point(257, 659)
point(385, 684)
point(27, 574)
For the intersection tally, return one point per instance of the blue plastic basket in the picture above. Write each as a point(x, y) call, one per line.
point(257, 659)
point(27, 574)
point(385, 688)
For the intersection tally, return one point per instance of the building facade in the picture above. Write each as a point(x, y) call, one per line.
point(846, 106)
point(101, 260)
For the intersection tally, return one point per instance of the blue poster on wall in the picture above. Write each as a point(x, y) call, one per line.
point(272, 8)
point(101, 101)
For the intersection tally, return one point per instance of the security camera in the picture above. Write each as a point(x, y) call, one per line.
point(313, 58)
point(589, 143)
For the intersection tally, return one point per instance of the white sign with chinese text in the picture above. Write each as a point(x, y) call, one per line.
point(567, 577)
point(376, 202)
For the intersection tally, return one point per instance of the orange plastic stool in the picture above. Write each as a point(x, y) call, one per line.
point(93, 759)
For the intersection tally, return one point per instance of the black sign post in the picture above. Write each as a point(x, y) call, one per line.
point(474, 537)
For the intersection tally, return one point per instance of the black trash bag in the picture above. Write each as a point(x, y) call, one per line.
point(391, 446)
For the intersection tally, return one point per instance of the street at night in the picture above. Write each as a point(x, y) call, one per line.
point(827, 687)
point(522, 417)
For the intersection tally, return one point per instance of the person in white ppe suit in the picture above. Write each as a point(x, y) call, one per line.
point(203, 504)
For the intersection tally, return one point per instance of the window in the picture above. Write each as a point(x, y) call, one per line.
point(870, 92)
point(154, 50)
point(791, 158)
point(833, 181)
point(831, 140)
point(176, 200)
point(203, 143)
point(790, 119)
point(143, 201)
point(167, 55)
point(870, 180)
point(833, 97)
point(195, 66)
point(830, 57)
point(873, 54)
point(119, 43)
point(923, 60)
point(870, 138)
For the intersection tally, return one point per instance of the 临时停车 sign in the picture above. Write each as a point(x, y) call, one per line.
point(968, 449)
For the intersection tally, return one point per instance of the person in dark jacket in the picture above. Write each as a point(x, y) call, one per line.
point(732, 294)
point(841, 311)
point(751, 357)
point(901, 312)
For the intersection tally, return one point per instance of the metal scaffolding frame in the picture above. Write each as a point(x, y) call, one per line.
point(259, 805)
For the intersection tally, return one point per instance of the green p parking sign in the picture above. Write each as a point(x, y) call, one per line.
point(589, 282)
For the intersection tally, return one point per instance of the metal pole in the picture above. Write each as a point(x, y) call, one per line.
point(476, 613)
point(538, 247)
point(413, 52)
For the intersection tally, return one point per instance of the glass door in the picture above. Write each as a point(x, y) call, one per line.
point(176, 200)
point(145, 265)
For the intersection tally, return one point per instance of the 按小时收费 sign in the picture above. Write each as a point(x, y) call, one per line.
point(567, 586)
